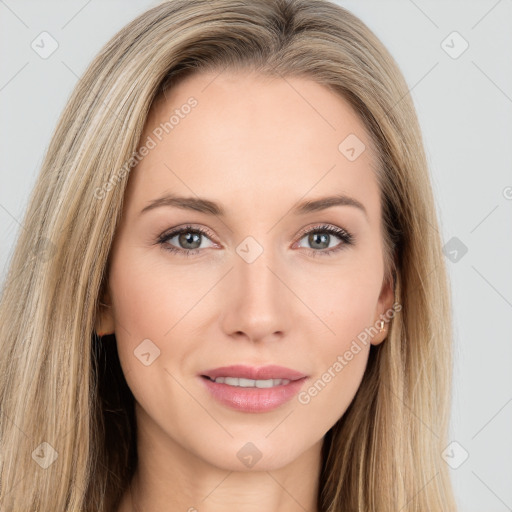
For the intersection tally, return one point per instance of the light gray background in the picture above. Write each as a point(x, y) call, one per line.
point(465, 109)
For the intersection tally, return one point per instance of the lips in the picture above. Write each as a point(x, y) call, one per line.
point(254, 373)
point(253, 390)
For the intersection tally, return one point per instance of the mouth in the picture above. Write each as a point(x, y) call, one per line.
point(261, 373)
point(252, 389)
point(249, 383)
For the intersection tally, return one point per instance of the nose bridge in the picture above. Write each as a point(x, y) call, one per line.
point(259, 298)
point(253, 268)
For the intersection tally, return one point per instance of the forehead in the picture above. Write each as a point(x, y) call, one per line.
point(255, 138)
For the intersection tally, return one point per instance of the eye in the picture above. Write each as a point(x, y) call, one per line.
point(188, 240)
point(320, 237)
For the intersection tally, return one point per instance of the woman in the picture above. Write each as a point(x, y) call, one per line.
point(255, 369)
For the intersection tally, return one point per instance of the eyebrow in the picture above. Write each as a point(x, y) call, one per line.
point(212, 208)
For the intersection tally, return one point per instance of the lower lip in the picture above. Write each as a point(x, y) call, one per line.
point(253, 399)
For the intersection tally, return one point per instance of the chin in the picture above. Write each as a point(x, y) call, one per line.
point(254, 453)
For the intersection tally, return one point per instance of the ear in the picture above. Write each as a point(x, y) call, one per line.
point(385, 303)
point(104, 316)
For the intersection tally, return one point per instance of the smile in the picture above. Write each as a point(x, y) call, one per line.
point(250, 383)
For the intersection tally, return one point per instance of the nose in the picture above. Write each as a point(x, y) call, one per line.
point(256, 303)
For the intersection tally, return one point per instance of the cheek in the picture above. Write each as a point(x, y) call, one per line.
point(344, 297)
point(146, 306)
point(341, 356)
point(150, 296)
point(154, 301)
point(150, 307)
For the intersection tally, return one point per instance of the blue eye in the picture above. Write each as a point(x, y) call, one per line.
point(190, 240)
point(319, 236)
point(186, 236)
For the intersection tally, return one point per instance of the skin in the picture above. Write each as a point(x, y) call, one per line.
point(256, 146)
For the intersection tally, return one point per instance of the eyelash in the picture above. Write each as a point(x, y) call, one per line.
point(345, 236)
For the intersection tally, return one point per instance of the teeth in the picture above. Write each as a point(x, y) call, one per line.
point(250, 383)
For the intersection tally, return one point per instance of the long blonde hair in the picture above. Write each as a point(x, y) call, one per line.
point(62, 386)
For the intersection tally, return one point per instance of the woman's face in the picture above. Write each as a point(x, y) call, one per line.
point(259, 275)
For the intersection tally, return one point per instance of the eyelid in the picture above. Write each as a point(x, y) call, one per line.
point(323, 226)
point(171, 233)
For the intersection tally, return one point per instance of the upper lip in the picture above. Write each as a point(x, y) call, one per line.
point(254, 373)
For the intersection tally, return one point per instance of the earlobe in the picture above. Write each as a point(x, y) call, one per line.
point(382, 331)
point(385, 303)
